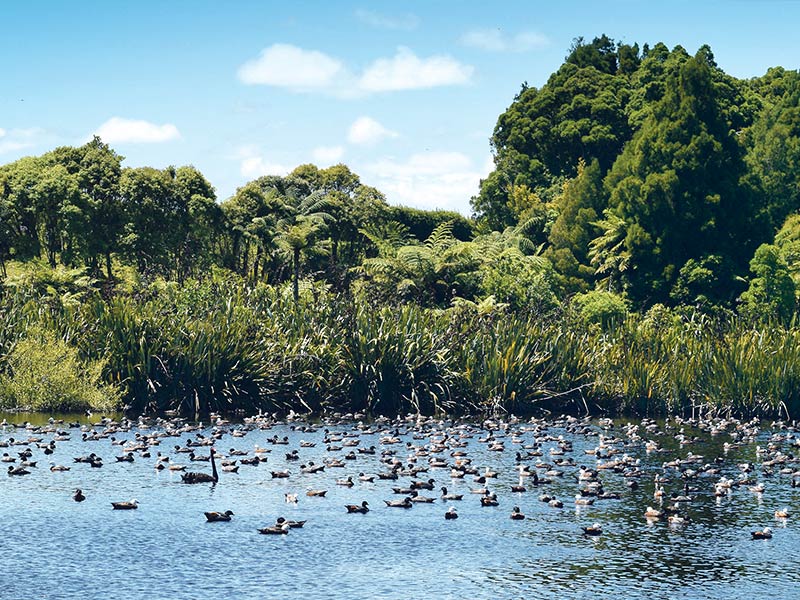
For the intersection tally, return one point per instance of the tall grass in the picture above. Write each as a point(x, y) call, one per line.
point(218, 345)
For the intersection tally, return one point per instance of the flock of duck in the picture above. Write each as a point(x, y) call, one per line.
point(410, 457)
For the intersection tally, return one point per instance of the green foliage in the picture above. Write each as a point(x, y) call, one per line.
point(600, 307)
point(676, 192)
point(772, 291)
point(579, 206)
point(46, 374)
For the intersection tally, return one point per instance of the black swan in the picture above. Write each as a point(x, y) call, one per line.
point(195, 477)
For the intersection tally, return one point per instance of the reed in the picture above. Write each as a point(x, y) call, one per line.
point(220, 345)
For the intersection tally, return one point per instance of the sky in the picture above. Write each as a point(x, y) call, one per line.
point(405, 93)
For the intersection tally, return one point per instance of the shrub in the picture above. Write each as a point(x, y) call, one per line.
point(45, 374)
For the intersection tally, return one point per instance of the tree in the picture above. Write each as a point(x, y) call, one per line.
point(581, 203)
point(300, 229)
point(676, 192)
point(772, 291)
point(579, 113)
point(429, 273)
point(774, 152)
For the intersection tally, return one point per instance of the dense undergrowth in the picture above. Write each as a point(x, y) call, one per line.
point(220, 345)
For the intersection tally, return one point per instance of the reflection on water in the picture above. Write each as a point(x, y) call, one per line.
point(54, 547)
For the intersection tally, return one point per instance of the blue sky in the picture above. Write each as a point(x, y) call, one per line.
point(405, 93)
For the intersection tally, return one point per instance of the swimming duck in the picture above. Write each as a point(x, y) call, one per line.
point(490, 500)
point(281, 529)
point(293, 524)
point(78, 496)
point(451, 513)
point(764, 534)
point(132, 505)
point(423, 485)
point(415, 497)
point(290, 498)
point(18, 471)
point(316, 493)
point(583, 501)
point(516, 515)
point(595, 529)
point(652, 513)
point(404, 503)
point(446, 496)
point(355, 508)
point(677, 520)
point(213, 517)
point(782, 513)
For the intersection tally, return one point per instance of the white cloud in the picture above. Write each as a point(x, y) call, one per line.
point(253, 164)
point(325, 156)
point(366, 131)
point(13, 140)
point(495, 40)
point(299, 70)
point(405, 22)
point(284, 65)
point(406, 71)
point(429, 180)
point(120, 130)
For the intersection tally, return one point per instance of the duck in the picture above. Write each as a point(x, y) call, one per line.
point(415, 497)
point(58, 468)
point(404, 503)
point(516, 515)
point(594, 529)
point(490, 500)
point(290, 498)
point(276, 529)
point(764, 534)
point(355, 508)
point(451, 514)
point(423, 485)
point(294, 524)
point(345, 482)
point(132, 505)
point(782, 513)
point(78, 496)
point(677, 520)
point(213, 517)
point(316, 493)
point(18, 471)
point(446, 496)
point(195, 477)
point(652, 513)
point(583, 501)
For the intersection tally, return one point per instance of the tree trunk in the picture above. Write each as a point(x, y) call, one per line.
point(108, 265)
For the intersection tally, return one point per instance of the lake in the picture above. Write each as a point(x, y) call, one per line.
point(56, 548)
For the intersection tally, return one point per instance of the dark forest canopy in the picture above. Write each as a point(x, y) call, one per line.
point(653, 173)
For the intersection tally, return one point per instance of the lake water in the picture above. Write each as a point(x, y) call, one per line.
point(55, 548)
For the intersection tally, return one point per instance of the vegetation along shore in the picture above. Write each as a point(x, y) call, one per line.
point(636, 249)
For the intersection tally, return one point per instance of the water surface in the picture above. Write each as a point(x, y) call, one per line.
point(55, 548)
